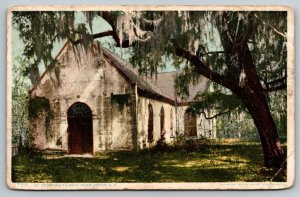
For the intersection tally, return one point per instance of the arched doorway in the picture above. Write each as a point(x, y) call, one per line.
point(150, 123)
point(80, 129)
point(190, 123)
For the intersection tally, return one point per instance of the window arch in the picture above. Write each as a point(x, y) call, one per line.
point(190, 123)
point(150, 123)
point(79, 109)
point(171, 123)
point(162, 121)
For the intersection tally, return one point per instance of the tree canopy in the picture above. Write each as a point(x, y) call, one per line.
point(242, 53)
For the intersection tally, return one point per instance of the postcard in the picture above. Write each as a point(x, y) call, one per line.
point(150, 97)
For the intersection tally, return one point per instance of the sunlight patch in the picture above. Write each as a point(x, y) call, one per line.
point(121, 169)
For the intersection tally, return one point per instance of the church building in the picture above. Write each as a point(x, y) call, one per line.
point(91, 100)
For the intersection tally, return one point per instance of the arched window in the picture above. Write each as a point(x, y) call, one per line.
point(150, 123)
point(79, 110)
point(190, 123)
point(171, 123)
point(162, 122)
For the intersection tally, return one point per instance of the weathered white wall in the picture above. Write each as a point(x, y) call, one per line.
point(205, 127)
point(143, 115)
point(91, 80)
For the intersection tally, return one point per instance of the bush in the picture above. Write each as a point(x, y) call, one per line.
point(183, 143)
point(161, 145)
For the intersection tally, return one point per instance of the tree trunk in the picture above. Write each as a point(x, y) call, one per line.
point(258, 108)
point(243, 80)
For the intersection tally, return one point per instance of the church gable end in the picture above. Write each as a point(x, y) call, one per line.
point(88, 78)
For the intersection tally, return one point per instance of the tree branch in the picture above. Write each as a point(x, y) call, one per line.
point(276, 81)
point(273, 28)
point(201, 69)
point(277, 84)
point(249, 29)
point(210, 52)
point(94, 36)
point(214, 116)
point(275, 88)
point(108, 17)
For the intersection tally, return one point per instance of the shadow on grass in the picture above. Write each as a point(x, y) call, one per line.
point(212, 163)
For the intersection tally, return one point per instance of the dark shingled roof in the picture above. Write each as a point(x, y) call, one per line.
point(166, 83)
point(127, 69)
point(163, 86)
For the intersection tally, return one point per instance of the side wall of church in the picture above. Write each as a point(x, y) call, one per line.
point(205, 127)
point(143, 116)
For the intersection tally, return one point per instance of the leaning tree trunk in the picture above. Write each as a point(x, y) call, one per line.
point(263, 120)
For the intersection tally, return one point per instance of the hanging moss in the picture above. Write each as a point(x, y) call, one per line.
point(36, 106)
point(121, 100)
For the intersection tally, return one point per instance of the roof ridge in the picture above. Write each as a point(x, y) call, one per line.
point(128, 69)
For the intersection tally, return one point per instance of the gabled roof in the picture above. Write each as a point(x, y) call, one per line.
point(127, 69)
point(166, 82)
point(162, 88)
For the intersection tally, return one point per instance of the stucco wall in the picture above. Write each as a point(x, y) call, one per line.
point(205, 128)
point(143, 115)
point(91, 80)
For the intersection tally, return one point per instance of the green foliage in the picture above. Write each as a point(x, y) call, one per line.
point(39, 105)
point(36, 29)
point(218, 162)
point(278, 105)
point(219, 101)
point(174, 28)
point(40, 30)
point(269, 48)
point(184, 79)
point(121, 100)
point(196, 31)
point(19, 107)
point(236, 125)
point(191, 144)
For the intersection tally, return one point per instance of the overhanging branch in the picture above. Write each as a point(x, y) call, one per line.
point(276, 81)
point(202, 69)
point(275, 88)
point(211, 52)
point(278, 84)
point(108, 17)
point(214, 116)
point(94, 36)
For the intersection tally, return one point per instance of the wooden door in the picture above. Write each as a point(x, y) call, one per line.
point(80, 129)
point(190, 124)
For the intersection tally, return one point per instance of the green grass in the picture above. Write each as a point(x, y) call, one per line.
point(217, 162)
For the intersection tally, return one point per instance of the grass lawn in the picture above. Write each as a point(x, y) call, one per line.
point(215, 162)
